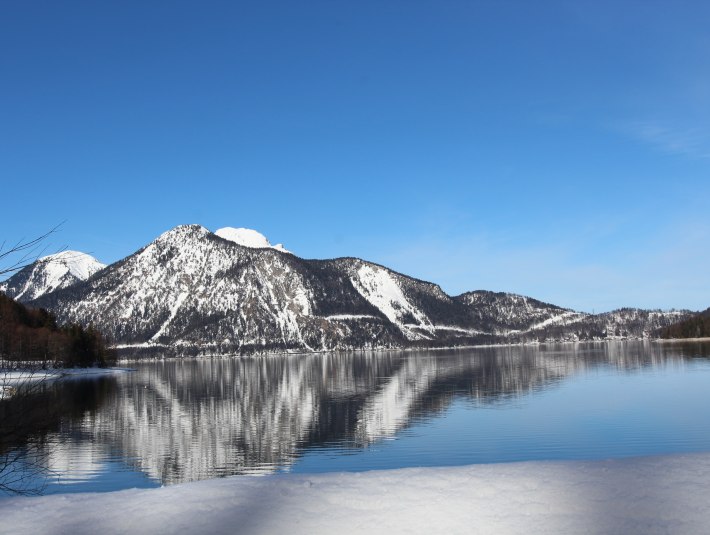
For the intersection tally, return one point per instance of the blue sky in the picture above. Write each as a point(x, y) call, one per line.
point(555, 149)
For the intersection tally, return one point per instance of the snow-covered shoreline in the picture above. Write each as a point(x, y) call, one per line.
point(666, 494)
point(170, 355)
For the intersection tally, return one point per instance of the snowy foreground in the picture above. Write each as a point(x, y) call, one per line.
point(641, 495)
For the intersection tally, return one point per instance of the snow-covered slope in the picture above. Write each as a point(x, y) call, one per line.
point(50, 273)
point(248, 238)
point(420, 310)
point(198, 291)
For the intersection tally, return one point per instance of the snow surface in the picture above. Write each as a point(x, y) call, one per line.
point(338, 317)
point(457, 329)
point(624, 496)
point(248, 238)
point(79, 264)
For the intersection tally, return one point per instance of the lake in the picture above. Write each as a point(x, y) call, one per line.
point(171, 421)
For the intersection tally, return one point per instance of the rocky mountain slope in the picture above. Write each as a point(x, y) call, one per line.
point(50, 273)
point(196, 291)
point(509, 314)
point(615, 325)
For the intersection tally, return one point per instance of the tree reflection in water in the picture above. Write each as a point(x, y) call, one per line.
point(33, 432)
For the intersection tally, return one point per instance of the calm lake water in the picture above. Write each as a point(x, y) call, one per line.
point(183, 420)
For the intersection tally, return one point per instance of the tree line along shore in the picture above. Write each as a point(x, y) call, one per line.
point(32, 335)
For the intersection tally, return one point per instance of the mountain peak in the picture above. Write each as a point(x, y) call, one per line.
point(182, 231)
point(50, 273)
point(248, 238)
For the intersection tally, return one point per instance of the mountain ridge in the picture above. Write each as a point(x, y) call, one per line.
point(193, 290)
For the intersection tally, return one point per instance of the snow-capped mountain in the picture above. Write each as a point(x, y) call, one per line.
point(248, 238)
point(50, 273)
point(191, 287)
point(207, 292)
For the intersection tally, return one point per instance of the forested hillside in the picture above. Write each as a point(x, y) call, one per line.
point(32, 334)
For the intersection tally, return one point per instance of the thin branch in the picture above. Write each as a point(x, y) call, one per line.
point(28, 251)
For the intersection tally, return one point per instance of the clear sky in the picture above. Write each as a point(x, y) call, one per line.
point(555, 149)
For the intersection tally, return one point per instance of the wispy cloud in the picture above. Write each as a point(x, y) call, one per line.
point(692, 142)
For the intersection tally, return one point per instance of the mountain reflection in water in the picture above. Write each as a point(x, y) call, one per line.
point(192, 419)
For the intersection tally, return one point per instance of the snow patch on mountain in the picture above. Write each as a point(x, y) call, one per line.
point(563, 319)
point(344, 317)
point(173, 311)
point(381, 290)
point(457, 329)
point(248, 238)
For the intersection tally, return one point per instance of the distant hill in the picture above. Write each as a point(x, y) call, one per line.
point(697, 326)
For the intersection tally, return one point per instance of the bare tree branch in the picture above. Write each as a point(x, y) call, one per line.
point(23, 466)
point(27, 251)
point(24, 469)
